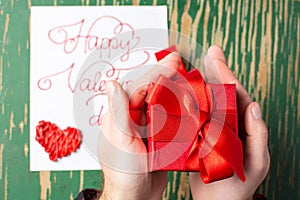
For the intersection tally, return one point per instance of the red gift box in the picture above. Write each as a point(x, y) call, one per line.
point(192, 126)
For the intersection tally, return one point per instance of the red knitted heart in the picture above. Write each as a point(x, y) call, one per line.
point(57, 142)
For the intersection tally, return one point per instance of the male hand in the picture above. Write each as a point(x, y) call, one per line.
point(122, 153)
point(256, 154)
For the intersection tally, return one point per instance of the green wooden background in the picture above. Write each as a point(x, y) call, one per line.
point(261, 40)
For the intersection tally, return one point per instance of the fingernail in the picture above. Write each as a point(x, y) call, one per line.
point(110, 88)
point(256, 111)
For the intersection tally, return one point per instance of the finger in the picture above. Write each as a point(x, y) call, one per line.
point(138, 89)
point(217, 71)
point(118, 110)
point(216, 53)
point(257, 159)
point(212, 60)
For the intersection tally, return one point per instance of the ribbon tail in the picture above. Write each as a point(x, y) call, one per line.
point(230, 148)
point(214, 167)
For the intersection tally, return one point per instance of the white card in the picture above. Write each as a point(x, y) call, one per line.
point(73, 52)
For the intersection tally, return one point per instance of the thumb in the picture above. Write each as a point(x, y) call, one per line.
point(118, 109)
point(118, 138)
point(117, 100)
point(257, 159)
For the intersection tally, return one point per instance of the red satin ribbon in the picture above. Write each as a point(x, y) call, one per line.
point(216, 150)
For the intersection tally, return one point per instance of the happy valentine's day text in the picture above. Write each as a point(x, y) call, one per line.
point(111, 45)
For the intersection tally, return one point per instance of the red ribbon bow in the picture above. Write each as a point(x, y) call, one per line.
point(215, 149)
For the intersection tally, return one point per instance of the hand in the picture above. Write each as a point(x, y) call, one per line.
point(122, 153)
point(256, 154)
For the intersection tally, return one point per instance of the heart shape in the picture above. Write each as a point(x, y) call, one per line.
point(57, 143)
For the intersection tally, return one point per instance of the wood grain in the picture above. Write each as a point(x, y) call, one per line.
point(261, 40)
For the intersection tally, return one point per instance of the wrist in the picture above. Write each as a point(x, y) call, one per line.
point(108, 195)
point(120, 195)
point(121, 192)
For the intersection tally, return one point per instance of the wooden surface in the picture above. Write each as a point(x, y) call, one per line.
point(261, 40)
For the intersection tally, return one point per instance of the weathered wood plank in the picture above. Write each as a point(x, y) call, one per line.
point(261, 40)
